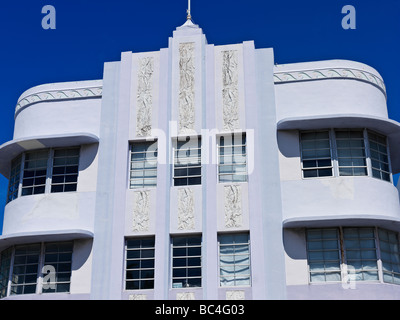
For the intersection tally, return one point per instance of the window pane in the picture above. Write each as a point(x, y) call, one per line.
point(234, 256)
point(139, 264)
point(186, 262)
point(390, 255)
point(25, 269)
point(360, 253)
point(379, 156)
point(187, 162)
point(323, 254)
point(232, 158)
point(351, 153)
point(143, 164)
point(65, 170)
point(35, 171)
point(316, 153)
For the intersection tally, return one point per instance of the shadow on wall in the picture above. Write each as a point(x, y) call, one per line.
point(288, 143)
point(294, 243)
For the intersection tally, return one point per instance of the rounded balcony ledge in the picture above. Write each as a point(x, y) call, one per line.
point(343, 221)
point(385, 126)
point(43, 236)
point(11, 149)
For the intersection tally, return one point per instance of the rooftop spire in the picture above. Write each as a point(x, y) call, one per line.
point(189, 17)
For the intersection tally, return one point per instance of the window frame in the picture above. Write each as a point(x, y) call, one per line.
point(175, 150)
point(234, 264)
point(49, 172)
point(186, 267)
point(140, 279)
point(233, 136)
point(130, 179)
point(39, 272)
point(334, 153)
point(345, 271)
point(331, 149)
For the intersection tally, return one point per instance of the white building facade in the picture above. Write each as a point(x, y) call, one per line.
point(204, 172)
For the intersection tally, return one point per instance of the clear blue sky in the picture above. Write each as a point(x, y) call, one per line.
point(89, 33)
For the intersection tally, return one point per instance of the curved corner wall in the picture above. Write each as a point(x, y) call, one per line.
point(61, 108)
point(327, 88)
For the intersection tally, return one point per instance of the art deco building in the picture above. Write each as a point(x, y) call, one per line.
point(204, 172)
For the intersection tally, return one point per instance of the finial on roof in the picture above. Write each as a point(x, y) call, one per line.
point(189, 17)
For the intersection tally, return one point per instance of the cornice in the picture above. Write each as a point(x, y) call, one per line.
point(330, 73)
point(58, 95)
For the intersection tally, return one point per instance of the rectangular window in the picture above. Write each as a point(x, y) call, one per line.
point(187, 162)
point(360, 251)
point(232, 158)
point(13, 184)
point(390, 255)
point(25, 269)
point(234, 260)
point(351, 153)
point(23, 265)
point(5, 263)
point(139, 267)
point(65, 170)
point(316, 154)
point(35, 172)
point(186, 262)
point(143, 165)
point(323, 255)
point(379, 156)
point(58, 259)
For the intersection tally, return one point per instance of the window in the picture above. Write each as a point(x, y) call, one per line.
point(5, 263)
point(139, 267)
point(187, 162)
point(323, 255)
point(344, 152)
point(360, 251)
point(379, 156)
point(15, 176)
point(43, 171)
point(351, 153)
point(186, 262)
point(25, 269)
point(65, 170)
point(35, 172)
point(351, 251)
point(232, 158)
point(36, 268)
point(58, 256)
point(316, 154)
point(143, 169)
point(390, 256)
point(234, 260)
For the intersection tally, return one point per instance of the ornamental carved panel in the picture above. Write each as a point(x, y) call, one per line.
point(233, 206)
point(186, 209)
point(186, 87)
point(230, 90)
point(141, 211)
point(144, 97)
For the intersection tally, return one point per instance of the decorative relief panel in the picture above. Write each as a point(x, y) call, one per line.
point(137, 297)
point(235, 295)
point(230, 90)
point(185, 209)
point(185, 296)
point(144, 96)
point(233, 206)
point(141, 211)
point(186, 88)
